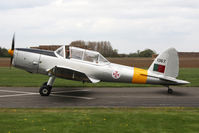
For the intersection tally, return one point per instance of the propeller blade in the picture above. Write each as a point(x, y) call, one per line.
point(11, 62)
point(11, 51)
point(13, 42)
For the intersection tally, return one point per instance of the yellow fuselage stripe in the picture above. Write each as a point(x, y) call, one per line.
point(139, 76)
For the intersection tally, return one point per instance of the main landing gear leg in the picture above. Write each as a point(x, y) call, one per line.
point(170, 91)
point(45, 89)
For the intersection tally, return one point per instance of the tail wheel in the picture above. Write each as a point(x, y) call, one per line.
point(170, 91)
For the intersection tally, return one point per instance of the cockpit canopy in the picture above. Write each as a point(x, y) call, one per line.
point(81, 54)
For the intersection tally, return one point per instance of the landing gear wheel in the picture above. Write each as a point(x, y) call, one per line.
point(45, 90)
point(170, 91)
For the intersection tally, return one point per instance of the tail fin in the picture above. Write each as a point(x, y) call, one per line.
point(166, 64)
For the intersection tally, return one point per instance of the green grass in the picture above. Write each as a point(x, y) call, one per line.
point(17, 77)
point(100, 120)
point(191, 75)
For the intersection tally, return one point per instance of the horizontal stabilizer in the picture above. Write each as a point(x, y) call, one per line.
point(167, 79)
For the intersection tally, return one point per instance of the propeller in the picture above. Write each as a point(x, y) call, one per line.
point(11, 51)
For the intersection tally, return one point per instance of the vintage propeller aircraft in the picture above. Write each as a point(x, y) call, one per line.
point(90, 66)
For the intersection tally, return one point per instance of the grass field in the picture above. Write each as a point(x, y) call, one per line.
point(17, 77)
point(100, 120)
point(95, 120)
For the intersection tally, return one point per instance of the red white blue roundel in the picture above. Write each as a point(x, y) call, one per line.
point(116, 74)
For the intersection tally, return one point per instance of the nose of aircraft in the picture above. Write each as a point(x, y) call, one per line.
point(10, 52)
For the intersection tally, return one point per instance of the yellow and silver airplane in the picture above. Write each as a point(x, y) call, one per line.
point(90, 66)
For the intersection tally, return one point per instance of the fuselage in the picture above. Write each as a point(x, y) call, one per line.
point(41, 61)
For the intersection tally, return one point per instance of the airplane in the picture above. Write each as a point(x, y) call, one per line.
point(84, 65)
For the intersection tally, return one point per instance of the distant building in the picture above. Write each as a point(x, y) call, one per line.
point(47, 47)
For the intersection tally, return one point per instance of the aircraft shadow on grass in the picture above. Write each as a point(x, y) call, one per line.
point(71, 95)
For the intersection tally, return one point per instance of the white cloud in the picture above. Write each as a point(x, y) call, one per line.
point(12, 4)
point(129, 24)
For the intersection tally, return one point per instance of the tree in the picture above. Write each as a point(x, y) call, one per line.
point(103, 47)
point(79, 43)
point(4, 52)
point(133, 55)
point(146, 53)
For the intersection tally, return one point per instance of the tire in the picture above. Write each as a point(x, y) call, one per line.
point(45, 90)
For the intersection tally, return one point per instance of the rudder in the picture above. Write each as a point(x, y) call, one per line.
point(166, 64)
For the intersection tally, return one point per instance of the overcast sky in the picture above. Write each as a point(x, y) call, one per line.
point(129, 25)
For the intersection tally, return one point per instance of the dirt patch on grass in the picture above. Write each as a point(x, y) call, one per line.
point(4, 62)
point(146, 62)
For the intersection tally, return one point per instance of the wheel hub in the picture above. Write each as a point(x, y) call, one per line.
point(45, 91)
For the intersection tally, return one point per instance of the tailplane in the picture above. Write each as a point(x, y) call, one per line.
point(166, 64)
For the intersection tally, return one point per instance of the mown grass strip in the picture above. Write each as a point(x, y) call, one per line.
point(17, 77)
point(98, 120)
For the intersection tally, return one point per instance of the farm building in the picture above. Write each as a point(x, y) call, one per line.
point(47, 47)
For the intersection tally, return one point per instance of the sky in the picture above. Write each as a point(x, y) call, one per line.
point(129, 25)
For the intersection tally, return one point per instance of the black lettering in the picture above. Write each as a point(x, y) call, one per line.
point(161, 60)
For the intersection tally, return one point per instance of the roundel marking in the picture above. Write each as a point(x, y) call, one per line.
point(116, 74)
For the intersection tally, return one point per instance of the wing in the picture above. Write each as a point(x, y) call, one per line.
point(69, 73)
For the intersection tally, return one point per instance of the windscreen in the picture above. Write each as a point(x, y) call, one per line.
point(60, 52)
point(103, 60)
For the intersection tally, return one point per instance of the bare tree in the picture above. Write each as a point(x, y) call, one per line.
point(104, 47)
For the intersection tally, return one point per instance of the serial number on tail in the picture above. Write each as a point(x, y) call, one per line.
point(161, 60)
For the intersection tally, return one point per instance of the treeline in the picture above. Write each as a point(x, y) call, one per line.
point(144, 53)
point(104, 47)
point(4, 52)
